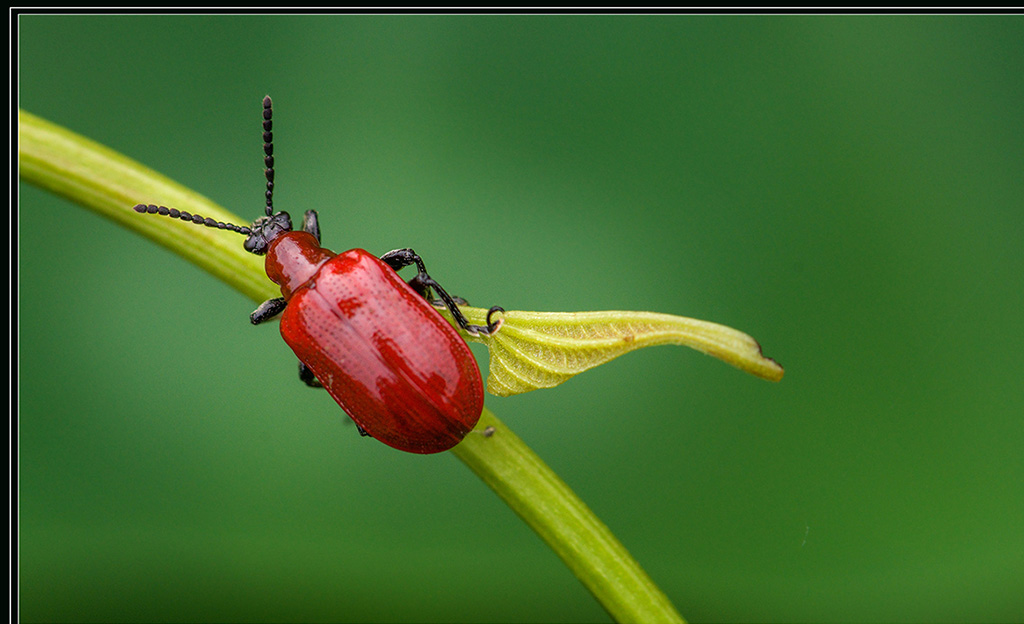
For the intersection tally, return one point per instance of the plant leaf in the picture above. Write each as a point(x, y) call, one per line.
point(543, 349)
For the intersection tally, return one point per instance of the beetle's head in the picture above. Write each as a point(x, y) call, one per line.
point(265, 230)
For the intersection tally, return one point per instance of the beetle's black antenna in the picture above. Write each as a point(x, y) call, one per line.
point(268, 151)
point(174, 213)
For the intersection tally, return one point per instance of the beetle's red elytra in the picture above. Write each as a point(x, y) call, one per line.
point(376, 343)
point(412, 381)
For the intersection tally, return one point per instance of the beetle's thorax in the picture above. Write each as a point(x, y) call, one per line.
point(293, 258)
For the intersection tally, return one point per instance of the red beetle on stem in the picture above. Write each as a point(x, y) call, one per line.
point(375, 342)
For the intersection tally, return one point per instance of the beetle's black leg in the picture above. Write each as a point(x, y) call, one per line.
point(417, 284)
point(401, 258)
point(311, 224)
point(422, 283)
point(308, 377)
point(268, 310)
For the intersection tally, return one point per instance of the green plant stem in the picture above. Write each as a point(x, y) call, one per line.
point(570, 528)
point(109, 183)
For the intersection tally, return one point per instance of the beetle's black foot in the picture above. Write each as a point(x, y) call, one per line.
point(308, 377)
point(492, 325)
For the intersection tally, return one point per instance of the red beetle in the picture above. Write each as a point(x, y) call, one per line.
point(375, 342)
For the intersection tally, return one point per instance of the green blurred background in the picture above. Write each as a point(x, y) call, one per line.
point(848, 190)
